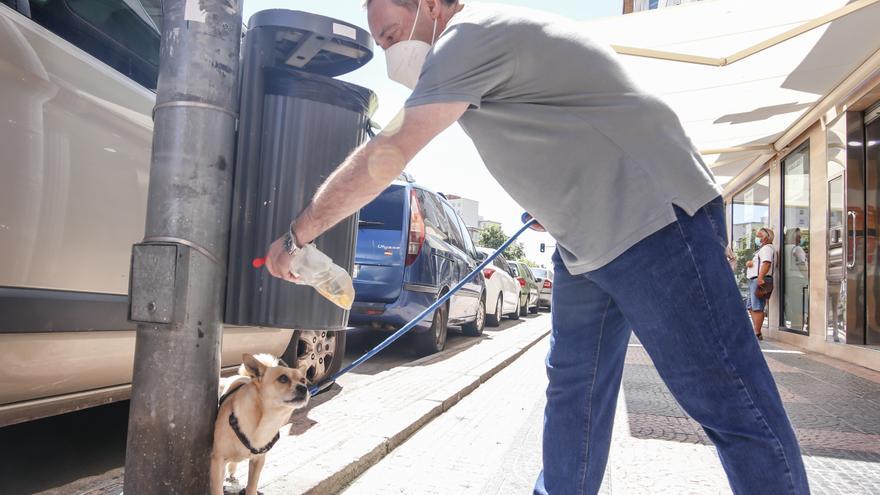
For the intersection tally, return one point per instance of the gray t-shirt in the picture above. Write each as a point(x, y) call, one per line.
point(597, 160)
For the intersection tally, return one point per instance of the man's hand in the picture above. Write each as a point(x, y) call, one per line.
point(760, 281)
point(278, 261)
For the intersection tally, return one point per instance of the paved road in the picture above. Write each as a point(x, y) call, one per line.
point(489, 443)
point(52, 452)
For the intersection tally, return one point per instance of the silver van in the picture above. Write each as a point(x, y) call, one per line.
point(77, 88)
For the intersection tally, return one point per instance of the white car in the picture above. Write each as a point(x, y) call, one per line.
point(502, 290)
point(76, 92)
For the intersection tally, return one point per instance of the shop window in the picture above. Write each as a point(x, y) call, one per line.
point(794, 257)
point(836, 266)
point(751, 212)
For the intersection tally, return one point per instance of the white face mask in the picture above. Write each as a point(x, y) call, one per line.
point(406, 58)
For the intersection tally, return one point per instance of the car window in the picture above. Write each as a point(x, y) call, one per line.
point(455, 236)
point(124, 34)
point(386, 211)
point(435, 220)
point(468, 242)
point(501, 263)
point(515, 269)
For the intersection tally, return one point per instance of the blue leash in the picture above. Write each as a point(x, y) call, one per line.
point(315, 389)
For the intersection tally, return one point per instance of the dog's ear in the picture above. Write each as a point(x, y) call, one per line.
point(254, 367)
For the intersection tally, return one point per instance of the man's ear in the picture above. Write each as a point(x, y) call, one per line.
point(433, 9)
point(255, 368)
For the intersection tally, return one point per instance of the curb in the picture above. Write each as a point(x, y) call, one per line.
point(380, 445)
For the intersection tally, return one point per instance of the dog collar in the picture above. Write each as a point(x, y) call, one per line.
point(233, 422)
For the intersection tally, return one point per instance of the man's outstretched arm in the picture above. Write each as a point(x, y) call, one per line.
point(365, 174)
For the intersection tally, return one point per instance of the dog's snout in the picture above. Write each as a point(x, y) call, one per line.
point(302, 389)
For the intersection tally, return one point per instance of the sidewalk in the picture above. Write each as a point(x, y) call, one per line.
point(834, 407)
point(490, 443)
point(348, 429)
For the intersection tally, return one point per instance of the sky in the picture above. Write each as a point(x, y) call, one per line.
point(450, 164)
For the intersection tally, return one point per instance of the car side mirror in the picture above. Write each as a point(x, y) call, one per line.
point(481, 256)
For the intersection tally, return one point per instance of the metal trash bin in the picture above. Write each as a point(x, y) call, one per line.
point(296, 125)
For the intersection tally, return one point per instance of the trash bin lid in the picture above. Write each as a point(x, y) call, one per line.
point(314, 43)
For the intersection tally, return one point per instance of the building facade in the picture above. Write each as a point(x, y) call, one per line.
point(821, 196)
point(630, 6)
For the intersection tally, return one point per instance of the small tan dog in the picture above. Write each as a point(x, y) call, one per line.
point(254, 405)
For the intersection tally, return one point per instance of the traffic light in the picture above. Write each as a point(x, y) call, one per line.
point(543, 247)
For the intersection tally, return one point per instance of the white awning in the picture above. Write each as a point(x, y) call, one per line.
point(747, 76)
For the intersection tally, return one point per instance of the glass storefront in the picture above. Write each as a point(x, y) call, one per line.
point(751, 212)
point(794, 257)
point(835, 276)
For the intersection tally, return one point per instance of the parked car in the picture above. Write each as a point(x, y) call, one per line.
point(544, 278)
point(77, 91)
point(412, 248)
point(502, 289)
point(530, 290)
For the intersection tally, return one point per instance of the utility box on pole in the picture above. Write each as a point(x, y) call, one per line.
point(178, 272)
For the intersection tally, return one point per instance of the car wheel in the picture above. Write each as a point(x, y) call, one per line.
point(434, 340)
point(516, 313)
point(316, 353)
point(475, 328)
point(534, 309)
point(494, 320)
point(524, 307)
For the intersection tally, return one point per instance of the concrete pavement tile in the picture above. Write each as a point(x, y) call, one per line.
point(324, 474)
point(455, 390)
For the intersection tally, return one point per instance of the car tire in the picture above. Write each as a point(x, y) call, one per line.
point(534, 309)
point(524, 308)
point(318, 354)
point(494, 320)
point(475, 328)
point(516, 313)
point(433, 340)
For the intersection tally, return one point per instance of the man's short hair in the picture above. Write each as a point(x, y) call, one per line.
point(410, 4)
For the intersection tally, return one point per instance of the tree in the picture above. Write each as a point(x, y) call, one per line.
point(515, 252)
point(530, 263)
point(493, 237)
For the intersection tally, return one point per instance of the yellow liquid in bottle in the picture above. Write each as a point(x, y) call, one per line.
point(342, 300)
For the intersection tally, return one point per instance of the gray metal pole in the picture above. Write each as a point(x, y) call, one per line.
point(178, 271)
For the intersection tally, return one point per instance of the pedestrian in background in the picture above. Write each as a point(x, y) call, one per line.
point(759, 271)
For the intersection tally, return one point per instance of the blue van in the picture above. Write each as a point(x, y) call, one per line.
point(412, 248)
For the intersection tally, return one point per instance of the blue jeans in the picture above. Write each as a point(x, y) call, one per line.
point(755, 303)
point(676, 291)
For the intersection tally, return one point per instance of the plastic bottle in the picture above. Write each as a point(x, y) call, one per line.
point(330, 280)
point(316, 269)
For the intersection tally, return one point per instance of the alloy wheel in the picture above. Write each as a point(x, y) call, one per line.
point(315, 354)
